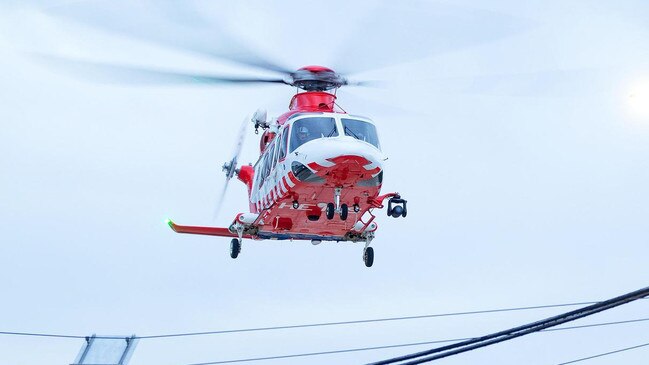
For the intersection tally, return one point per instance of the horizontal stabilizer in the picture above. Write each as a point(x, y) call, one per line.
point(209, 231)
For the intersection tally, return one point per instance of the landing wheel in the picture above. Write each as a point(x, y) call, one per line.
point(331, 210)
point(368, 256)
point(235, 248)
point(343, 212)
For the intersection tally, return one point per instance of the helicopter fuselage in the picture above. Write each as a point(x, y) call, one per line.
point(318, 178)
point(314, 161)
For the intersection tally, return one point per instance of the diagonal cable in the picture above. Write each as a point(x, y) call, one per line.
point(605, 354)
point(370, 348)
point(490, 339)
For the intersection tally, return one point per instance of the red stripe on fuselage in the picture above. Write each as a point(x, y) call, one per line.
point(292, 177)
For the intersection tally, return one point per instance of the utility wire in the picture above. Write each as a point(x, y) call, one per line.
point(330, 352)
point(322, 324)
point(605, 354)
point(349, 322)
point(32, 334)
point(472, 344)
point(359, 322)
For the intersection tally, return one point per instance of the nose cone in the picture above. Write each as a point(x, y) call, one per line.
point(343, 161)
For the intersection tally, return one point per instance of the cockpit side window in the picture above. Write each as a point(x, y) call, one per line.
point(308, 129)
point(283, 143)
point(271, 157)
point(268, 161)
point(259, 172)
point(361, 130)
point(275, 153)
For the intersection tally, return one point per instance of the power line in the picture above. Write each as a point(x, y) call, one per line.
point(358, 349)
point(605, 305)
point(32, 334)
point(322, 324)
point(605, 354)
point(509, 334)
point(53, 335)
point(362, 321)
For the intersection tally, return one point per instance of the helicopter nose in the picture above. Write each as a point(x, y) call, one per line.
point(342, 161)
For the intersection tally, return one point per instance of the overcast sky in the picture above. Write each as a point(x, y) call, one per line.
point(518, 132)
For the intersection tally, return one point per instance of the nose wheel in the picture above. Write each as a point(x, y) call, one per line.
point(336, 207)
point(344, 211)
point(330, 211)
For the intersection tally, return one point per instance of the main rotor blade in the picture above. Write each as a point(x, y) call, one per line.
point(541, 83)
point(393, 33)
point(109, 73)
point(367, 83)
point(167, 23)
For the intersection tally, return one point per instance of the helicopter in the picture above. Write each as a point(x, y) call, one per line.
point(319, 173)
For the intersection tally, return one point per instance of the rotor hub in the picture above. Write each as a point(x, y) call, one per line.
point(317, 78)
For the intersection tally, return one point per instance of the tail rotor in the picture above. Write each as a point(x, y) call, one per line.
point(230, 167)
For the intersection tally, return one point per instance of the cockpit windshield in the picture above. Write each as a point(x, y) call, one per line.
point(308, 129)
point(361, 130)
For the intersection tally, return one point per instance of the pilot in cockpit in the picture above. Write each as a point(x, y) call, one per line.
point(303, 134)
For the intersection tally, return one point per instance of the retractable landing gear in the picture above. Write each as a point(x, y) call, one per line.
point(333, 208)
point(368, 252)
point(235, 244)
point(331, 211)
point(235, 248)
point(368, 256)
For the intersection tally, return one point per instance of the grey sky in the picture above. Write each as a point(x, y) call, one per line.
point(525, 165)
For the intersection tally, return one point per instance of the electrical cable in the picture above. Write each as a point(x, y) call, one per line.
point(594, 308)
point(32, 334)
point(501, 336)
point(358, 349)
point(322, 324)
point(605, 354)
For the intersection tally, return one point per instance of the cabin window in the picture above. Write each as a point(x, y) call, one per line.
point(275, 154)
point(283, 141)
point(308, 129)
point(361, 130)
point(267, 162)
point(259, 170)
point(271, 156)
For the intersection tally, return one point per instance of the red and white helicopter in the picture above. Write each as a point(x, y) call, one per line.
point(318, 176)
